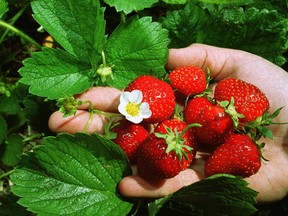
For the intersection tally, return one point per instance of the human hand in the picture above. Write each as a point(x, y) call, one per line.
point(270, 180)
point(105, 99)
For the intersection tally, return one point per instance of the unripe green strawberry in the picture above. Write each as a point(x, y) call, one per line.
point(189, 80)
point(249, 100)
point(239, 155)
point(158, 94)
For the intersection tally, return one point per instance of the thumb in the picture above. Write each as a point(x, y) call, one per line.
point(135, 186)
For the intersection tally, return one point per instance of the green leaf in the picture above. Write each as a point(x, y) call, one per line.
point(251, 29)
point(76, 175)
point(3, 7)
point(280, 5)
point(14, 122)
point(53, 73)
point(175, 1)
point(9, 105)
point(136, 47)
point(223, 193)
point(155, 206)
point(228, 1)
point(128, 6)
point(13, 150)
point(185, 25)
point(78, 26)
point(3, 129)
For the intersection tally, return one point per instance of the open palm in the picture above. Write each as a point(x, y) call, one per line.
point(270, 181)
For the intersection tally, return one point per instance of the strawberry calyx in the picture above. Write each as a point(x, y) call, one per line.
point(258, 127)
point(68, 106)
point(175, 141)
point(230, 109)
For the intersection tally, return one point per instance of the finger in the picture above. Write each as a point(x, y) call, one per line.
point(220, 61)
point(102, 98)
point(134, 186)
point(80, 122)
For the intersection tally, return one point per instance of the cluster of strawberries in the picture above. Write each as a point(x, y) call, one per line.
point(223, 123)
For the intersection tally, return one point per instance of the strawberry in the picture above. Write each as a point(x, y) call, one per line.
point(194, 107)
point(177, 126)
point(249, 100)
point(239, 155)
point(216, 127)
point(129, 137)
point(189, 80)
point(163, 155)
point(158, 94)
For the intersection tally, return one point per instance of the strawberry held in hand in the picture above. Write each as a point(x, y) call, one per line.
point(158, 94)
point(129, 137)
point(189, 80)
point(249, 100)
point(216, 127)
point(178, 126)
point(194, 107)
point(239, 155)
point(161, 155)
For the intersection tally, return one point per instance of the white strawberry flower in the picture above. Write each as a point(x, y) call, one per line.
point(132, 107)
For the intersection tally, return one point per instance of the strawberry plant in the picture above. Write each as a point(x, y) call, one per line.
point(117, 43)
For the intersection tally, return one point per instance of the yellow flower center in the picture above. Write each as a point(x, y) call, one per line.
point(132, 109)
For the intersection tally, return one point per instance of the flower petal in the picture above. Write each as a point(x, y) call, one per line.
point(122, 109)
point(145, 110)
point(124, 97)
point(136, 96)
point(135, 119)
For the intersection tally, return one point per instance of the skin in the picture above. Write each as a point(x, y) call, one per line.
point(271, 180)
point(102, 98)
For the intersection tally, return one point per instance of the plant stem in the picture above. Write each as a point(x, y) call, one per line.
point(93, 111)
point(6, 174)
point(122, 17)
point(21, 34)
point(103, 59)
point(13, 20)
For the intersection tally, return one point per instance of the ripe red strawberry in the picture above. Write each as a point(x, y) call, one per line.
point(216, 127)
point(158, 94)
point(249, 100)
point(189, 80)
point(161, 155)
point(194, 107)
point(239, 155)
point(129, 137)
point(178, 126)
